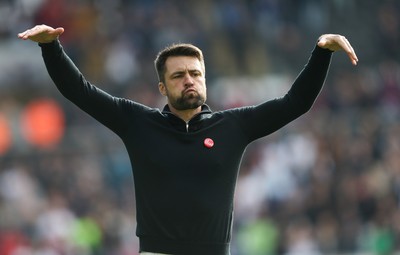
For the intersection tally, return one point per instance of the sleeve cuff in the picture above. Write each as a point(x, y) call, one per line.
point(50, 44)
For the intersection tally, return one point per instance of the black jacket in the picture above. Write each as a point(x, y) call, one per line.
point(185, 173)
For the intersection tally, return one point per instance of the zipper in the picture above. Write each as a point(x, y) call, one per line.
point(186, 122)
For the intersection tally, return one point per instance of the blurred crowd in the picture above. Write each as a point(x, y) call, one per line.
point(328, 183)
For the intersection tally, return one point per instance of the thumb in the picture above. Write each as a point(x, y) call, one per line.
point(58, 31)
point(321, 42)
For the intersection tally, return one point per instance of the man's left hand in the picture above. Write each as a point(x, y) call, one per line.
point(335, 42)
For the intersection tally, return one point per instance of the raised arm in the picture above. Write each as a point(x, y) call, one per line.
point(270, 116)
point(70, 81)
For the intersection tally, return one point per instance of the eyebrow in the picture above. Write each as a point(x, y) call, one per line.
point(186, 70)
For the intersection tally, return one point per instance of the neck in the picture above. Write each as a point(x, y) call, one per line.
point(185, 115)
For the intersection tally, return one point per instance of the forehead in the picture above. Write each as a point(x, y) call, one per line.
point(181, 63)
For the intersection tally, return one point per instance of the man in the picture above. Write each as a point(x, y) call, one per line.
point(185, 159)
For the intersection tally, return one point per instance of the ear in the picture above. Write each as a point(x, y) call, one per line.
point(162, 89)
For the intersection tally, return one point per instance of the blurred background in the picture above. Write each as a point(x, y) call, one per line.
point(328, 183)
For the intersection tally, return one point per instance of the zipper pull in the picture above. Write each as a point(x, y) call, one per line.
point(187, 127)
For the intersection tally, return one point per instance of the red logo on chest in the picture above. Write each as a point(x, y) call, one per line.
point(208, 142)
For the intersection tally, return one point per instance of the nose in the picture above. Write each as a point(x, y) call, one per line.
point(188, 81)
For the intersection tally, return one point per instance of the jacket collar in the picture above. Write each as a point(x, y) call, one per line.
point(205, 109)
point(195, 123)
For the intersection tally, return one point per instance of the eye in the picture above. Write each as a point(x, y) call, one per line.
point(176, 76)
point(196, 73)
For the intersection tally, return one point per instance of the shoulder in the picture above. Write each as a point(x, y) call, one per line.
point(135, 107)
point(237, 111)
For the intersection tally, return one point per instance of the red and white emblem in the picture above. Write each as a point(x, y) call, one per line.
point(208, 142)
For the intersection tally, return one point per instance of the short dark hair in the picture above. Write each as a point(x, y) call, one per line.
point(175, 50)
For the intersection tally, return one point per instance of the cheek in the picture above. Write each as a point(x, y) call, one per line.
point(203, 86)
point(173, 88)
point(174, 92)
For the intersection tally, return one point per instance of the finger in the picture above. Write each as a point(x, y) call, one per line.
point(344, 45)
point(23, 34)
point(352, 54)
point(353, 57)
point(350, 51)
point(30, 32)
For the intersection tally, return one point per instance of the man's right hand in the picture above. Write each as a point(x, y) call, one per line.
point(41, 34)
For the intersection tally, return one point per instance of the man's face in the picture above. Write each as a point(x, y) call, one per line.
point(185, 83)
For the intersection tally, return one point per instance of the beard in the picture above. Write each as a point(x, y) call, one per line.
point(188, 101)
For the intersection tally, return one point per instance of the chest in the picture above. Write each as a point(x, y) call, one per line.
point(165, 151)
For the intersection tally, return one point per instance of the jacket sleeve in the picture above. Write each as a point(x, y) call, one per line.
point(73, 85)
point(265, 118)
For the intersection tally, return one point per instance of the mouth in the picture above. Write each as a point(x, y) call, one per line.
point(189, 91)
